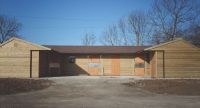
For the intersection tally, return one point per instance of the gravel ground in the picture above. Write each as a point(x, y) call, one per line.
point(96, 92)
point(188, 87)
point(16, 85)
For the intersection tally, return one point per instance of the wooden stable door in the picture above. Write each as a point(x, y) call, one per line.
point(94, 65)
point(139, 66)
point(115, 65)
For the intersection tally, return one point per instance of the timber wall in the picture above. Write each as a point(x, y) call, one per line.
point(109, 65)
point(181, 60)
point(15, 60)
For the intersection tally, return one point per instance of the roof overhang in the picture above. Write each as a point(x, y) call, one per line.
point(97, 49)
point(14, 38)
point(169, 42)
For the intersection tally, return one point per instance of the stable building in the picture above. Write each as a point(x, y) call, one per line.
point(173, 59)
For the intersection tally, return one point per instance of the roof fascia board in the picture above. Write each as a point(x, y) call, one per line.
point(178, 39)
point(14, 38)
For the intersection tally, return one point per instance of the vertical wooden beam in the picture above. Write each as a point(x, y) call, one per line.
point(48, 61)
point(30, 63)
point(150, 64)
point(102, 66)
point(156, 64)
point(163, 64)
point(134, 65)
point(116, 65)
point(144, 63)
point(88, 62)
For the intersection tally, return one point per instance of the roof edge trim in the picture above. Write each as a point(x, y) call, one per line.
point(172, 41)
point(14, 38)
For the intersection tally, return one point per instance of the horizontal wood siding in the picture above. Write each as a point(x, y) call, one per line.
point(159, 64)
point(153, 66)
point(15, 60)
point(35, 64)
point(80, 67)
point(107, 64)
point(116, 65)
point(94, 59)
point(127, 65)
point(139, 71)
point(178, 64)
point(182, 60)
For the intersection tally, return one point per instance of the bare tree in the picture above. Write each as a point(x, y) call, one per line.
point(9, 27)
point(138, 24)
point(157, 37)
point(170, 17)
point(193, 34)
point(122, 26)
point(111, 36)
point(89, 39)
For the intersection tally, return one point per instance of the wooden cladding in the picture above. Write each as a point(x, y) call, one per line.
point(15, 59)
point(178, 59)
point(139, 60)
point(178, 64)
point(107, 65)
point(116, 65)
point(94, 65)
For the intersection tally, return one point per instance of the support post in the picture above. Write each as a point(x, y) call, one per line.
point(30, 63)
point(163, 64)
point(145, 63)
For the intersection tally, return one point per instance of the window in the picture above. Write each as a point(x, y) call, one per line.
point(71, 59)
point(94, 65)
point(139, 65)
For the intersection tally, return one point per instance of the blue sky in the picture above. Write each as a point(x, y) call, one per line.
point(64, 22)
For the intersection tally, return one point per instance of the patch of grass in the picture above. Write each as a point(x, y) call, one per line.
point(169, 86)
point(15, 85)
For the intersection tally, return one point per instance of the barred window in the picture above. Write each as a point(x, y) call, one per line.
point(139, 65)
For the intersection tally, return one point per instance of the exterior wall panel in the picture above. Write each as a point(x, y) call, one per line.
point(153, 66)
point(127, 65)
point(116, 65)
point(80, 67)
point(108, 65)
point(181, 60)
point(15, 60)
point(182, 65)
point(139, 59)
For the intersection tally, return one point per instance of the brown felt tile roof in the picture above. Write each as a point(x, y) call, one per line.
point(97, 49)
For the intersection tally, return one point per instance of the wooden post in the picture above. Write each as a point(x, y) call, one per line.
point(102, 67)
point(144, 63)
point(163, 64)
point(30, 63)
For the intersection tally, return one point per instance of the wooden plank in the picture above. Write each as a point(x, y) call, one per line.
point(15, 60)
point(94, 70)
point(116, 65)
point(126, 65)
point(181, 60)
point(139, 59)
point(107, 65)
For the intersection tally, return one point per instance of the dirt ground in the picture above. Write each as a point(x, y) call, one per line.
point(96, 92)
point(15, 85)
point(190, 87)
